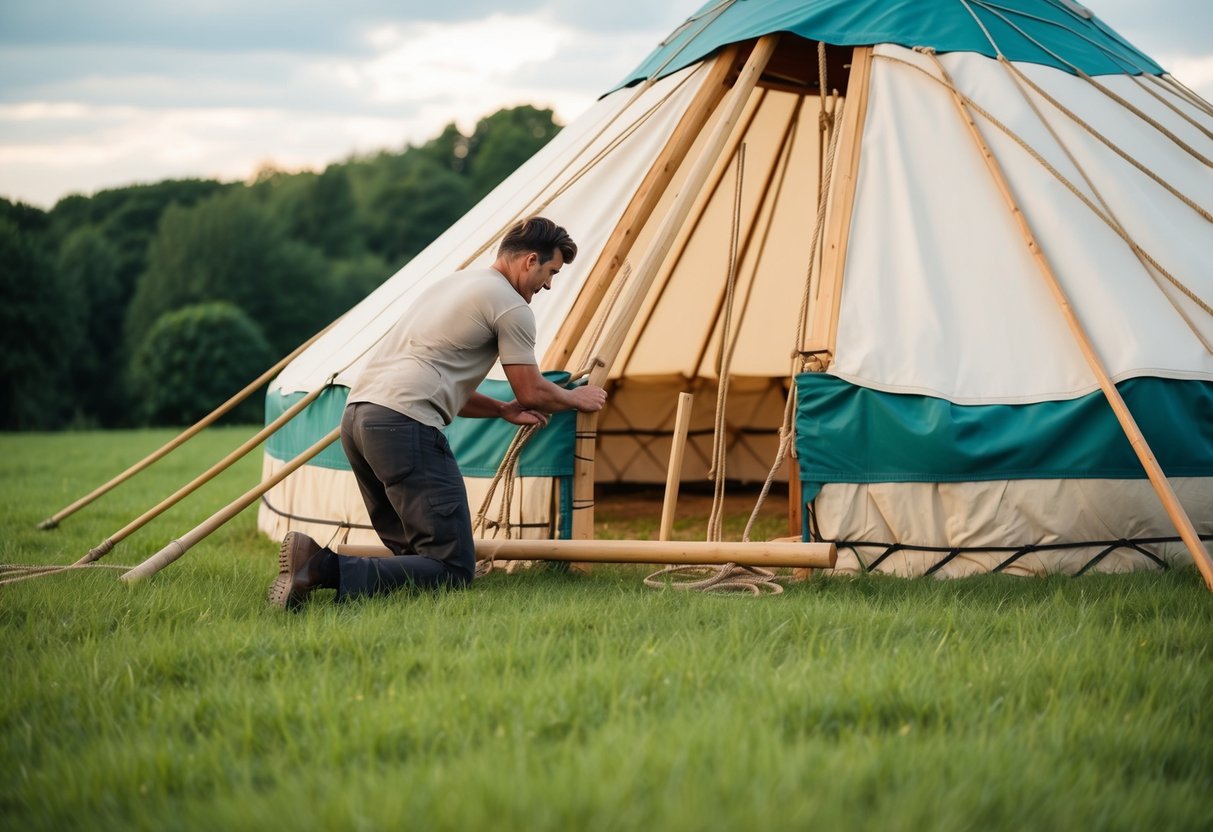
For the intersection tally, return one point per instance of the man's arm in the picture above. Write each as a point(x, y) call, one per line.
point(535, 392)
point(480, 406)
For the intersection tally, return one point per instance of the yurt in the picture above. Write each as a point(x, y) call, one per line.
point(942, 265)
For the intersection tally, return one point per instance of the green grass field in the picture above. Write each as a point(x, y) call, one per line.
point(550, 700)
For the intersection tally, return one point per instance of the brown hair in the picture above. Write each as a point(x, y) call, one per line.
point(540, 235)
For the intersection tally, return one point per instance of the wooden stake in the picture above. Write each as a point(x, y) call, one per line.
point(770, 554)
point(181, 438)
point(1170, 503)
point(673, 477)
point(179, 547)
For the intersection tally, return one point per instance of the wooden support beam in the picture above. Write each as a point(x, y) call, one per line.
point(769, 554)
point(107, 545)
point(179, 547)
point(183, 437)
point(646, 272)
point(823, 330)
point(639, 210)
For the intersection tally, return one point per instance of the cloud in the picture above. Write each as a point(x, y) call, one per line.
point(99, 110)
point(102, 93)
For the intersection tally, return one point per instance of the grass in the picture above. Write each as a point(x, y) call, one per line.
point(546, 700)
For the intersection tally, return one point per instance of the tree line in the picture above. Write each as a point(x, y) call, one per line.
point(152, 304)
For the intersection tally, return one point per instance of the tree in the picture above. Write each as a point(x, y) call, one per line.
point(37, 338)
point(129, 218)
point(230, 248)
point(503, 141)
point(193, 359)
point(88, 266)
point(416, 206)
point(324, 214)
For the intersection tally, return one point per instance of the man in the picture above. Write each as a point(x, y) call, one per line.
point(423, 374)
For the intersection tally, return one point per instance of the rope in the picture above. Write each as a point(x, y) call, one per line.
point(728, 577)
point(1062, 179)
point(1081, 74)
point(1125, 59)
point(719, 435)
point(31, 572)
point(787, 430)
point(1118, 226)
point(1204, 213)
point(507, 473)
point(1177, 87)
point(1146, 89)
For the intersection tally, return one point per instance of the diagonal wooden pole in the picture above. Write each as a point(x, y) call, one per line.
point(180, 546)
point(181, 438)
point(1170, 503)
point(644, 275)
point(107, 545)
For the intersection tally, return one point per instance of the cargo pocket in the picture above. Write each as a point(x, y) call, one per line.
point(447, 502)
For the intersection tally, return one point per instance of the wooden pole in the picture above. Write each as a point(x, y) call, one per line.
point(691, 552)
point(107, 545)
point(639, 210)
point(689, 230)
point(1170, 503)
point(646, 272)
point(179, 547)
point(673, 477)
point(823, 333)
point(53, 521)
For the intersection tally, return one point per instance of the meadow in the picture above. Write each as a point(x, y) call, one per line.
point(551, 700)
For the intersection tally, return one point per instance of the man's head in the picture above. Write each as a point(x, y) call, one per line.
point(532, 253)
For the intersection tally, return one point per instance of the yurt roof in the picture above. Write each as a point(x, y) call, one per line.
point(1058, 33)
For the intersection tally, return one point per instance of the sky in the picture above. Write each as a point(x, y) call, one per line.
point(108, 93)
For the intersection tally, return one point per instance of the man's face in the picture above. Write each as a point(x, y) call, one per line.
point(539, 275)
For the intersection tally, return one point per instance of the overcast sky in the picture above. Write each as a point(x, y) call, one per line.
point(104, 93)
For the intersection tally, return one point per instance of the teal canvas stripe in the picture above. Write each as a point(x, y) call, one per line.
point(479, 444)
point(307, 428)
point(945, 25)
point(848, 433)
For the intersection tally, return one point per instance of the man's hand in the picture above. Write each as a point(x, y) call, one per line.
point(588, 398)
point(516, 414)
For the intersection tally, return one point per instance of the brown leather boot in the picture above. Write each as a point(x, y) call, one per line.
point(303, 565)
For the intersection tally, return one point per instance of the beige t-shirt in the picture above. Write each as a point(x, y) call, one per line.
point(433, 358)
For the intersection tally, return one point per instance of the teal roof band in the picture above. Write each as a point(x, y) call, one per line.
point(1049, 32)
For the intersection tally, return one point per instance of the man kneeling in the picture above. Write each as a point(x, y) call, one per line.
point(423, 374)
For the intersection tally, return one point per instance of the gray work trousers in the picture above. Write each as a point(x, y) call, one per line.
point(417, 502)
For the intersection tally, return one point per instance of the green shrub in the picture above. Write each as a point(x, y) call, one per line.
point(194, 359)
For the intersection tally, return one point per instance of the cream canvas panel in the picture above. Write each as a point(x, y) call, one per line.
point(679, 328)
point(627, 129)
point(313, 493)
point(332, 496)
point(1181, 240)
point(1007, 513)
point(941, 296)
